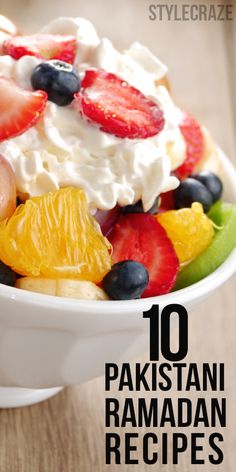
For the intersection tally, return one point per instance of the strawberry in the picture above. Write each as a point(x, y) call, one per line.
point(117, 107)
point(139, 237)
point(193, 136)
point(19, 109)
point(44, 46)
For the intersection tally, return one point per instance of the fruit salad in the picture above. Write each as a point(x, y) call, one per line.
point(108, 190)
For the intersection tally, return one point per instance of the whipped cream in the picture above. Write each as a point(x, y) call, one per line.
point(64, 149)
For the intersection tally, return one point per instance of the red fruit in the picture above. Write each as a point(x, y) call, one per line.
point(19, 109)
point(141, 238)
point(167, 201)
point(107, 219)
point(117, 107)
point(46, 46)
point(194, 139)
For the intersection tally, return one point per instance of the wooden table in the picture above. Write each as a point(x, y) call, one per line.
point(66, 433)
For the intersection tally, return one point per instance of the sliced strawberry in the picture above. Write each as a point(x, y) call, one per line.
point(117, 107)
point(141, 238)
point(19, 109)
point(194, 139)
point(46, 46)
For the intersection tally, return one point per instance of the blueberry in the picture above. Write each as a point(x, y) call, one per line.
point(191, 190)
point(58, 79)
point(211, 182)
point(138, 208)
point(126, 280)
point(7, 276)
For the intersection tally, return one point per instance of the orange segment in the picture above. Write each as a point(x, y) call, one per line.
point(55, 236)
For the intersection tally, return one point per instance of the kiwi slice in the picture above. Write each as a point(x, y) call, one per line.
point(224, 217)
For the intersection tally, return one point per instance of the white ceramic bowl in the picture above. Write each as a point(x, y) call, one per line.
point(48, 341)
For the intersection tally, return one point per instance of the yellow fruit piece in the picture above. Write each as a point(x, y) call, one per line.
point(55, 236)
point(189, 229)
point(79, 289)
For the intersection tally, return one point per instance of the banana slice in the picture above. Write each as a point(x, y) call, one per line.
point(68, 288)
point(84, 290)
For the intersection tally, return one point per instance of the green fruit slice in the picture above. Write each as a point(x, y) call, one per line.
point(224, 216)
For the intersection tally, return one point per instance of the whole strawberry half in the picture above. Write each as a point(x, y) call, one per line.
point(19, 109)
point(117, 107)
point(141, 238)
point(194, 140)
point(44, 46)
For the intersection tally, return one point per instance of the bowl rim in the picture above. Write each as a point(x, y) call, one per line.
point(182, 296)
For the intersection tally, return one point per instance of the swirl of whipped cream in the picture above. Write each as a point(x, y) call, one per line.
point(63, 149)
